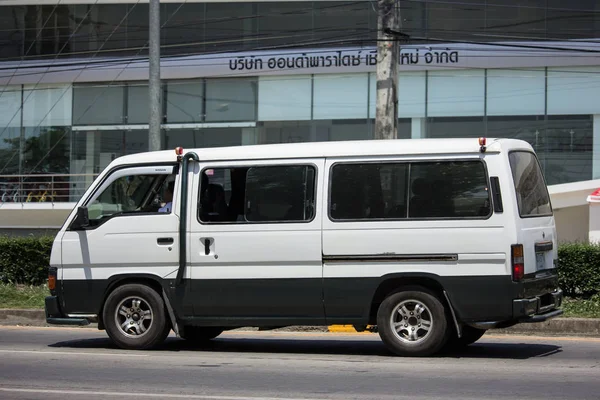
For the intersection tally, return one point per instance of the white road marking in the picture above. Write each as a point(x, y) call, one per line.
point(72, 353)
point(134, 394)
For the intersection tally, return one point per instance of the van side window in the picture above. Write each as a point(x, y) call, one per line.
point(283, 193)
point(418, 190)
point(133, 194)
point(449, 190)
point(368, 191)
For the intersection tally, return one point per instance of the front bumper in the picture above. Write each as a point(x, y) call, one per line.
point(54, 315)
point(538, 308)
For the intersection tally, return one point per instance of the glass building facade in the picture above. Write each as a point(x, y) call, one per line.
point(58, 120)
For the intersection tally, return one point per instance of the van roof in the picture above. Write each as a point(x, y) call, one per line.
point(331, 149)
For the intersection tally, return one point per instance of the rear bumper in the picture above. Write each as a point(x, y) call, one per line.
point(54, 315)
point(534, 309)
point(538, 308)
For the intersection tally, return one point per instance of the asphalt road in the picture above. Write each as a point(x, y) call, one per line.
point(75, 363)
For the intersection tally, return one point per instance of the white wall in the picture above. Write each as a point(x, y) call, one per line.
point(572, 224)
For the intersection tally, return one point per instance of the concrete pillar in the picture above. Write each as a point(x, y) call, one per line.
point(249, 136)
point(596, 147)
point(90, 156)
point(418, 128)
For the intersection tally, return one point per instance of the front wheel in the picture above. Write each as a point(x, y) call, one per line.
point(412, 322)
point(134, 317)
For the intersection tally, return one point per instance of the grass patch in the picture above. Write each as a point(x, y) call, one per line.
point(582, 308)
point(22, 296)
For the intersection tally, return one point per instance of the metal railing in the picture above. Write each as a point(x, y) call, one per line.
point(44, 188)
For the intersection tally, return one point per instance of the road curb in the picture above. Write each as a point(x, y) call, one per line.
point(556, 326)
point(17, 316)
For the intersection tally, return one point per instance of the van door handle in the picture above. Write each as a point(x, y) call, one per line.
point(206, 246)
point(165, 241)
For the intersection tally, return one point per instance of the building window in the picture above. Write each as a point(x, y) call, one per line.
point(284, 98)
point(563, 143)
point(98, 105)
point(567, 154)
point(138, 108)
point(573, 90)
point(203, 137)
point(283, 193)
point(458, 93)
point(341, 96)
point(284, 132)
point(231, 100)
point(516, 92)
point(282, 23)
point(229, 26)
point(185, 101)
point(345, 129)
point(94, 150)
point(455, 127)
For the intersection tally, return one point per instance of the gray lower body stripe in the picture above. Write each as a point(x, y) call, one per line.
point(392, 258)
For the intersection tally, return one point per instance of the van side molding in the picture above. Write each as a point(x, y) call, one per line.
point(391, 258)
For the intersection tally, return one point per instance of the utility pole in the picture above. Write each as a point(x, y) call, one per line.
point(154, 91)
point(388, 55)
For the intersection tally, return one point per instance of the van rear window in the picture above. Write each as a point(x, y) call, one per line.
point(532, 194)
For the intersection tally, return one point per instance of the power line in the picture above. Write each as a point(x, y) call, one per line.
point(249, 37)
point(33, 42)
point(498, 4)
point(54, 105)
point(91, 105)
point(516, 49)
point(320, 42)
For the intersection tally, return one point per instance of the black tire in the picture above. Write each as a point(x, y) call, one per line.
point(142, 333)
point(413, 339)
point(469, 336)
point(201, 334)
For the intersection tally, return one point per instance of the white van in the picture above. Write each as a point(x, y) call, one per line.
point(430, 242)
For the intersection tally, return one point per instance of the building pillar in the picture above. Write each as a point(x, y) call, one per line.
point(90, 156)
point(596, 147)
point(249, 136)
point(417, 130)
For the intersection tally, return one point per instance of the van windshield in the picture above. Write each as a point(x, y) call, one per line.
point(532, 194)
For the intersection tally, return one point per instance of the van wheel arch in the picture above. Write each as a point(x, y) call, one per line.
point(397, 282)
point(152, 281)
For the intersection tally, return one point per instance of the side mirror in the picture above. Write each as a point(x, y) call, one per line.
point(82, 220)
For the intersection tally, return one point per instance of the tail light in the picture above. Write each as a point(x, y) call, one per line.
point(518, 262)
point(52, 280)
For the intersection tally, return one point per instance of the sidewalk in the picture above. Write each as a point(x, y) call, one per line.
point(557, 326)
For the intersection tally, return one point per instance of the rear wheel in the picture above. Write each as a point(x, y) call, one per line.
point(134, 317)
point(200, 334)
point(412, 322)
